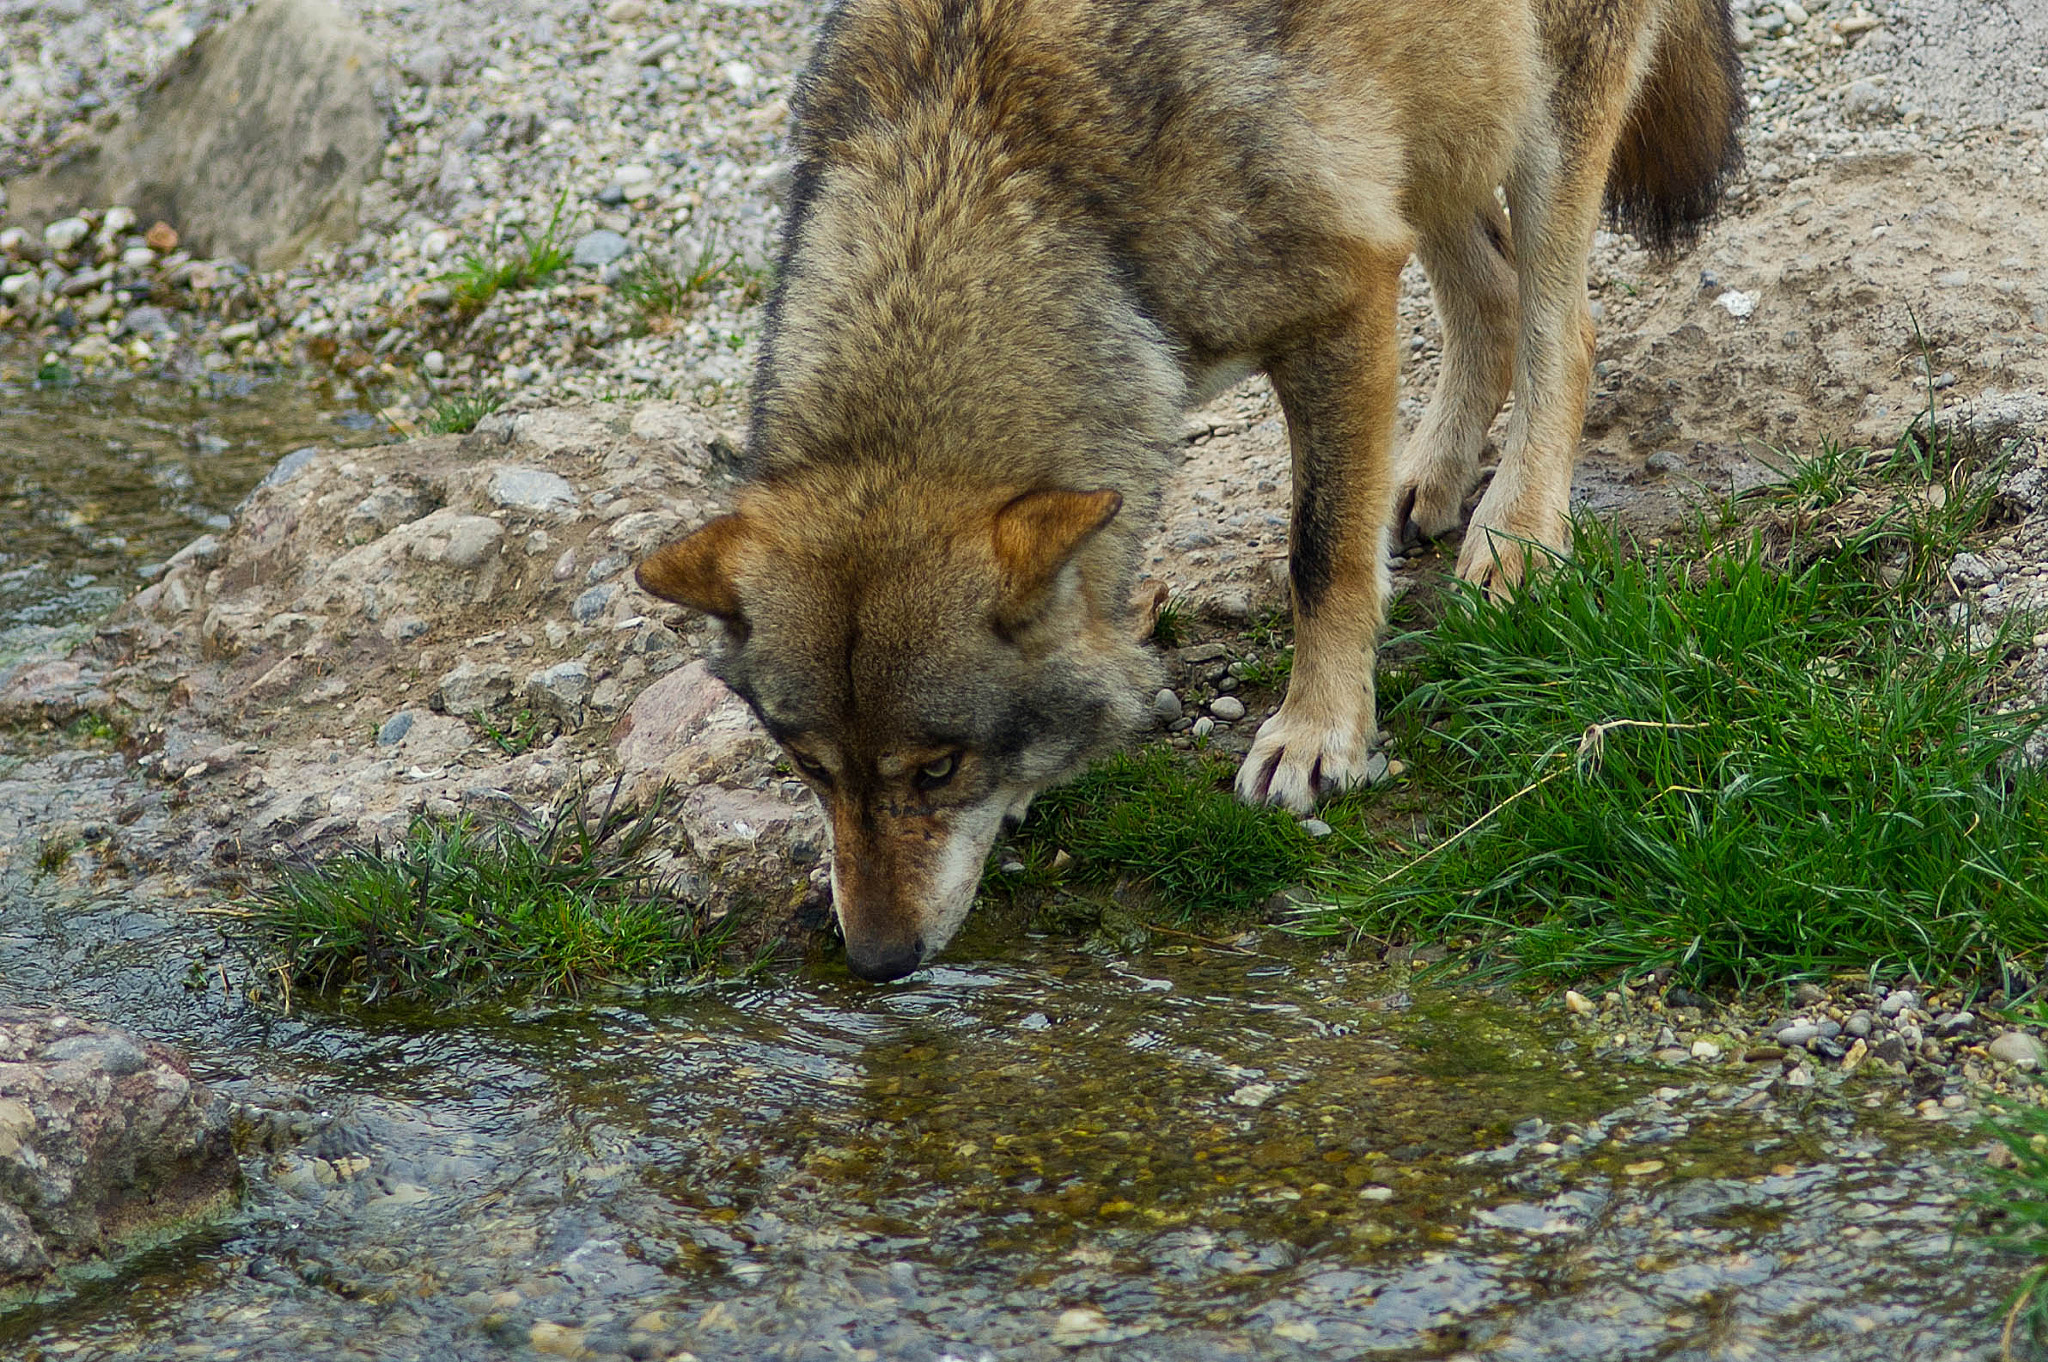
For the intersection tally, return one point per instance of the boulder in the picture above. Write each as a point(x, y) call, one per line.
point(106, 1140)
point(690, 733)
point(256, 145)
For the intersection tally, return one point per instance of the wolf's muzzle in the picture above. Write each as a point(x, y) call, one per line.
point(878, 964)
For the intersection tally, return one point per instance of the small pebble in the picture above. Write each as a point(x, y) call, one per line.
point(1227, 708)
point(2017, 1048)
point(1166, 705)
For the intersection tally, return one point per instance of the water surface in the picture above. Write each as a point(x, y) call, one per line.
point(100, 479)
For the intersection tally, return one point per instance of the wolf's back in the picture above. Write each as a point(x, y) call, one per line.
point(1681, 142)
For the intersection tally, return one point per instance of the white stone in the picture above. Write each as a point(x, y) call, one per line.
point(1736, 303)
point(118, 219)
point(533, 490)
point(65, 233)
point(2018, 1049)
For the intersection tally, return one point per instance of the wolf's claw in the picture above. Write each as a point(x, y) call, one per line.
point(1293, 762)
point(1425, 510)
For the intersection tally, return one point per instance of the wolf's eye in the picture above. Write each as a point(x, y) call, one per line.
point(933, 774)
point(811, 768)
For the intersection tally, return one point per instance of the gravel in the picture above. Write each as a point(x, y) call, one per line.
point(656, 132)
point(1965, 62)
point(656, 129)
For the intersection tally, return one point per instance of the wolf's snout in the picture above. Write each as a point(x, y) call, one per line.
point(878, 963)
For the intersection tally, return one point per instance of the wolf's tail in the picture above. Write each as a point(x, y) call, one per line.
point(1681, 142)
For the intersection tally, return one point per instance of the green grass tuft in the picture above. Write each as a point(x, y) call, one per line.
point(454, 910)
point(1768, 757)
point(1772, 761)
point(664, 289)
point(459, 415)
point(2015, 1205)
point(525, 731)
point(94, 728)
point(480, 278)
point(1170, 826)
point(53, 854)
point(1170, 629)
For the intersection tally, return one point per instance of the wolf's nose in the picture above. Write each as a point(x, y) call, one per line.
point(879, 966)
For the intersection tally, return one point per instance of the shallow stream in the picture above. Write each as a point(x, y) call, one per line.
point(1031, 1151)
point(100, 480)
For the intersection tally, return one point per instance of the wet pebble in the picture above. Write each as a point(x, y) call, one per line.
point(2018, 1049)
point(65, 233)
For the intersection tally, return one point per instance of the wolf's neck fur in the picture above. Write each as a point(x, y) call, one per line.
point(946, 305)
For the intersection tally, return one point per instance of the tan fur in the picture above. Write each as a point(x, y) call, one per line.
point(1024, 236)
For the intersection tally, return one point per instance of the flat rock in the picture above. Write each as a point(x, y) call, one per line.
point(105, 1139)
point(472, 687)
point(2018, 1049)
point(533, 490)
point(599, 248)
point(561, 690)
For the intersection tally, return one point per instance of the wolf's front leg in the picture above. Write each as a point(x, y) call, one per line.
point(1337, 387)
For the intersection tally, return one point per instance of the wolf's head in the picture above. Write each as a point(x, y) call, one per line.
point(930, 655)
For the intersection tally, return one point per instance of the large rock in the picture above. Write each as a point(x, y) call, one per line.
point(257, 145)
point(105, 1140)
point(760, 832)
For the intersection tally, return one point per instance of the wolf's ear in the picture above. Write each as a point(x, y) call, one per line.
point(697, 571)
point(1036, 534)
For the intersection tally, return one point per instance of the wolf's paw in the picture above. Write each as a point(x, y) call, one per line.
point(1425, 508)
point(1496, 557)
point(1297, 759)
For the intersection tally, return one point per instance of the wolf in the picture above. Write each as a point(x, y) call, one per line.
point(1023, 237)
